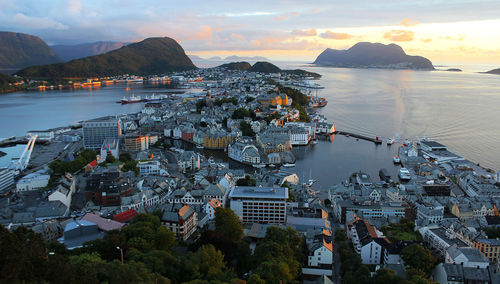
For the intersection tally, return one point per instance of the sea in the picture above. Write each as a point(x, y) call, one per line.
point(458, 109)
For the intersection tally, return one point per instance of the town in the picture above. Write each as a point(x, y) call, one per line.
point(438, 220)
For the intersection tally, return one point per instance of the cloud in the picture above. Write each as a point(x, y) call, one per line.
point(426, 40)
point(460, 37)
point(38, 22)
point(399, 35)
point(285, 16)
point(408, 22)
point(311, 32)
point(331, 35)
point(204, 34)
point(74, 6)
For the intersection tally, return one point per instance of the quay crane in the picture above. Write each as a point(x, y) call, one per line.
point(21, 164)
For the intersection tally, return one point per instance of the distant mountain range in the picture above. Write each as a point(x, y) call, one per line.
point(266, 67)
point(70, 52)
point(232, 58)
point(19, 50)
point(150, 56)
point(372, 55)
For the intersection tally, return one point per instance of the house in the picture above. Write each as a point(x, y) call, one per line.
point(210, 207)
point(188, 160)
point(259, 204)
point(368, 242)
point(103, 224)
point(51, 210)
point(149, 168)
point(78, 232)
point(125, 216)
point(447, 273)
point(320, 253)
point(182, 221)
point(467, 257)
point(64, 190)
point(33, 181)
point(90, 166)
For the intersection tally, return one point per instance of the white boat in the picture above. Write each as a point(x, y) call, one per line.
point(390, 141)
point(309, 182)
point(288, 165)
point(404, 174)
point(396, 159)
point(314, 142)
point(211, 160)
point(199, 146)
point(133, 99)
point(272, 165)
point(259, 166)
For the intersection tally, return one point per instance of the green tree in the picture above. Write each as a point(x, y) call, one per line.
point(228, 224)
point(206, 263)
point(246, 129)
point(126, 156)
point(255, 279)
point(384, 276)
point(418, 257)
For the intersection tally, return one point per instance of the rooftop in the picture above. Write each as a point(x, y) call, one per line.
point(259, 192)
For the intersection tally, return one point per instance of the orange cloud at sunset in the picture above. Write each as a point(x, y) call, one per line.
point(331, 35)
point(399, 35)
point(311, 32)
point(408, 22)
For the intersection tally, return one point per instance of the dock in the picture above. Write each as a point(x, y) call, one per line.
point(375, 140)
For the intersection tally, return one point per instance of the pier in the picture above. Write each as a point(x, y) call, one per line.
point(376, 140)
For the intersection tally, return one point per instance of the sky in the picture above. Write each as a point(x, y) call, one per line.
point(458, 31)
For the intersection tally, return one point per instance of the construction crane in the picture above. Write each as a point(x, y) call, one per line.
point(22, 163)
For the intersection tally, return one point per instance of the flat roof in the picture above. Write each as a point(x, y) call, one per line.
point(433, 144)
point(259, 192)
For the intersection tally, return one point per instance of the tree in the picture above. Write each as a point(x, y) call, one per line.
point(418, 257)
point(110, 159)
point(384, 276)
point(246, 129)
point(126, 156)
point(228, 224)
point(206, 263)
point(255, 279)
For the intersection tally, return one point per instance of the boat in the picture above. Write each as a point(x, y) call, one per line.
point(390, 141)
point(199, 146)
point(131, 100)
point(272, 165)
point(259, 166)
point(211, 160)
point(404, 174)
point(314, 142)
point(287, 165)
point(152, 98)
point(396, 159)
point(309, 182)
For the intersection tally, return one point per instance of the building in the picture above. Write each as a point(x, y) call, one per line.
point(216, 139)
point(103, 224)
point(181, 221)
point(490, 248)
point(97, 130)
point(243, 151)
point(368, 242)
point(467, 257)
point(135, 142)
point(188, 160)
point(107, 189)
point(43, 135)
point(6, 179)
point(149, 168)
point(33, 181)
point(320, 253)
point(78, 232)
point(210, 207)
point(259, 204)
point(110, 146)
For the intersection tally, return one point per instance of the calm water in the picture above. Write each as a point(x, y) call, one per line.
point(460, 110)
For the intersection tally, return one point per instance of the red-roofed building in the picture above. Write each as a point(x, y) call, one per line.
point(90, 166)
point(103, 224)
point(210, 207)
point(125, 216)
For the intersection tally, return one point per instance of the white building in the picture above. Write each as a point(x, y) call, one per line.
point(43, 135)
point(467, 257)
point(33, 181)
point(320, 253)
point(259, 204)
point(149, 168)
point(188, 160)
point(210, 207)
point(64, 190)
point(110, 146)
point(6, 178)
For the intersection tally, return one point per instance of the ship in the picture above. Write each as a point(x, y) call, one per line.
point(152, 98)
point(288, 165)
point(404, 174)
point(131, 100)
point(390, 141)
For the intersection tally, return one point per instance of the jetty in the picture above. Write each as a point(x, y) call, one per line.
point(377, 140)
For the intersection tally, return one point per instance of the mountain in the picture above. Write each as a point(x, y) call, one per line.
point(376, 55)
point(215, 58)
point(242, 66)
point(243, 58)
point(195, 57)
point(494, 71)
point(70, 52)
point(19, 50)
point(150, 56)
point(264, 67)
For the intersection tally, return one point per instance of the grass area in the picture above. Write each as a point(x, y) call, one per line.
point(402, 231)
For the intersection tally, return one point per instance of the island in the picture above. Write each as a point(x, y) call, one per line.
point(494, 71)
point(267, 68)
point(372, 55)
point(454, 70)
